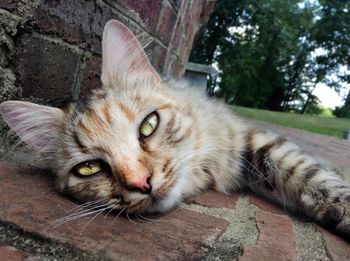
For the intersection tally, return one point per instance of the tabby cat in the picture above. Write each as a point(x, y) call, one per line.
point(144, 145)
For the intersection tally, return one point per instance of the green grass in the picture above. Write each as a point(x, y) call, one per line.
point(323, 125)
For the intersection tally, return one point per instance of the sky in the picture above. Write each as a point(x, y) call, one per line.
point(329, 97)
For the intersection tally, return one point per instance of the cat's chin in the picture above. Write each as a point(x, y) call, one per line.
point(162, 206)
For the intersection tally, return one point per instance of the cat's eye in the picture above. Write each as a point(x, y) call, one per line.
point(149, 124)
point(88, 168)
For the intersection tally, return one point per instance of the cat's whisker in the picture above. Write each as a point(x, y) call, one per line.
point(120, 212)
point(86, 204)
point(228, 201)
point(210, 150)
point(258, 173)
point(140, 219)
point(127, 215)
point(61, 221)
point(92, 220)
point(147, 219)
point(108, 212)
point(82, 212)
point(255, 170)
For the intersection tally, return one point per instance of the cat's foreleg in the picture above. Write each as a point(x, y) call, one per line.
point(279, 170)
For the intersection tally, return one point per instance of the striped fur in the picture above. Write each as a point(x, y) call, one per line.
point(199, 144)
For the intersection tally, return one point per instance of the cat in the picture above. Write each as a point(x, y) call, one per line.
point(143, 145)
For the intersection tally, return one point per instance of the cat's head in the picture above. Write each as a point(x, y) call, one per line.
point(127, 144)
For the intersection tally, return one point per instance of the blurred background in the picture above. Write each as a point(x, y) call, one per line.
point(285, 56)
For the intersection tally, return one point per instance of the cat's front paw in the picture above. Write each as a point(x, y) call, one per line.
point(330, 208)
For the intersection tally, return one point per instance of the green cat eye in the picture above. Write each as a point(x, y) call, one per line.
point(149, 124)
point(88, 168)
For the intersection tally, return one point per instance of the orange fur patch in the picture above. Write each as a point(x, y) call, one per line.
point(106, 113)
point(129, 114)
point(85, 130)
point(165, 106)
point(93, 118)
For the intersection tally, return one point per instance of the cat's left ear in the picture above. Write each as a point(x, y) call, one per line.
point(123, 57)
point(36, 125)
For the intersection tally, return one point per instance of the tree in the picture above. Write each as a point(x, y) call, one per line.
point(267, 51)
point(332, 33)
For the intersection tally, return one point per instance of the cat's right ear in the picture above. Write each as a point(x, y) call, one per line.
point(36, 125)
point(123, 58)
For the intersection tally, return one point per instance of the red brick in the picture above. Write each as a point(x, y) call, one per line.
point(188, 20)
point(276, 239)
point(195, 18)
point(80, 21)
point(53, 24)
point(167, 24)
point(176, 69)
point(45, 69)
point(215, 199)
point(184, 52)
point(32, 205)
point(158, 57)
point(338, 248)
point(176, 37)
point(148, 11)
point(176, 3)
point(91, 77)
point(265, 205)
point(10, 254)
point(59, 17)
point(208, 8)
point(8, 5)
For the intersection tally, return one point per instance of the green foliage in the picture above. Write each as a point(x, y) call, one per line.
point(342, 112)
point(265, 50)
point(319, 109)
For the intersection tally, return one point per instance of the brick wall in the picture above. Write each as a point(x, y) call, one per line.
point(50, 50)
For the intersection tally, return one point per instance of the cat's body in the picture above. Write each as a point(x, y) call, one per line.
point(143, 145)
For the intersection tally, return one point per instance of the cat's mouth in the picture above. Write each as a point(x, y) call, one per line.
point(138, 206)
point(145, 205)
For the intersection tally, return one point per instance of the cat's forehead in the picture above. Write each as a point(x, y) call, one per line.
point(128, 101)
point(118, 108)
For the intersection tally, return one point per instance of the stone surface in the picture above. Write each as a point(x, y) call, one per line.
point(91, 76)
point(331, 149)
point(148, 11)
point(28, 201)
point(10, 254)
point(276, 239)
point(158, 58)
point(46, 69)
point(76, 22)
point(168, 21)
point(309, 241)
point(214, 199)
point(338, 248)
point(266, 206)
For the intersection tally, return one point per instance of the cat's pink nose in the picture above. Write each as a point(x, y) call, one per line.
point(142, 185)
